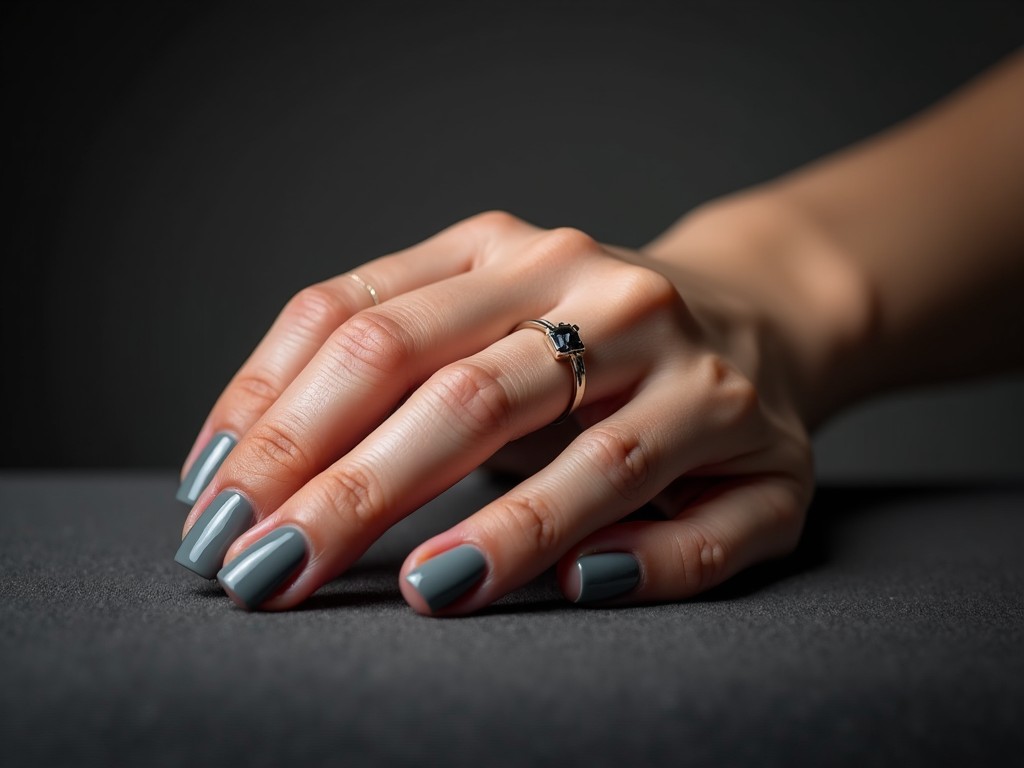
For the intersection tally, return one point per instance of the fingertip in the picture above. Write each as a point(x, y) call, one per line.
point(226, 518)
point(412, 596)
point(238, 601)
point(265, 568)
point(444, 580)
point(568, 573)
point(207, 454)
point(602, 576)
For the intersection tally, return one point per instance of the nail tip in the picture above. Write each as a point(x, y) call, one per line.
point(205, 467)
point(579, 584)
point(258, 572)
point(606, 575)
point(223, 578)
point(235, 597)
point(444, 578)
point(203, 548)
point(191, 566)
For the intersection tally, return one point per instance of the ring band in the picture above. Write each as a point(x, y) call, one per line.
point(369, 288)
point(565, 345)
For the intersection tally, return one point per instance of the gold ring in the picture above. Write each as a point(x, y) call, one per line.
point(565, 345)
point(369, 288)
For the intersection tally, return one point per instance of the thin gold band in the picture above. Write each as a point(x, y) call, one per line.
point(369, 288)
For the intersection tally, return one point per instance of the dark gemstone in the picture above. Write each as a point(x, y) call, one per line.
point(566, 339)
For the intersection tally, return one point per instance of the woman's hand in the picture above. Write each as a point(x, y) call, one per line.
point(708, 357)
point(351, 415)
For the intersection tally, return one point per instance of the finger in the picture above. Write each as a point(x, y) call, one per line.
point(379, 355)
point(308, 320)
point(366, 368)
point(725, 532)
point(460, 416)
point(612, 469)
point(295, 336)
point(358, 376)
point(434, 324)
point(607, 472)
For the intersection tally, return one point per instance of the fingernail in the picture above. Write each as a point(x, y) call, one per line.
point(444, 579)
point(207, 541)
point(205, 467)
point(253, 576)
point(607, 575)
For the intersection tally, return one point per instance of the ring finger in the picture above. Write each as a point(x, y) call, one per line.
point(451, 424)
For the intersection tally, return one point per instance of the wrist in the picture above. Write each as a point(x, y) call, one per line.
point(795, 310)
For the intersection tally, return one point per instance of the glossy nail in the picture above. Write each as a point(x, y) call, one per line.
point(205, 467)
point(255, 574)
point(607, 575)
point(207, 541)
point(445, 578)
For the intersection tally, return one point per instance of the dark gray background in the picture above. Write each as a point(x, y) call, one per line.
point(174, 172)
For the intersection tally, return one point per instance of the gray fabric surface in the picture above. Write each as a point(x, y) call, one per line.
point(894, 636)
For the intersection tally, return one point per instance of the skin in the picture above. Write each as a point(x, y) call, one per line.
point(711, 355)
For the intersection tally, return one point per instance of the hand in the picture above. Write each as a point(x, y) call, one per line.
point(351, 416)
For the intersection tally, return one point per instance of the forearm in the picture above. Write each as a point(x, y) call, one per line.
point(898, 261)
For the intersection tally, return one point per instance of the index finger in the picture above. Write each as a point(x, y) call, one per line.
point(305, 324)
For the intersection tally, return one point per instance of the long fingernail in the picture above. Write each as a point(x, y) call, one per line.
point(204, 546)
point(253, 576)
point(444, 579)
point(205, 467)
point(607, 575)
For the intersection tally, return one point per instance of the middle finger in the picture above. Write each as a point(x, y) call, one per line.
point(459, 417)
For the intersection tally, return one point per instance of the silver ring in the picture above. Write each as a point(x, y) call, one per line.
point(566, 344)
point(369, 288)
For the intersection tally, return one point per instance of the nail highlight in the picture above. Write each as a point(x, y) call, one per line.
point(207, 541)
point(205, 467)
point(255, 574)
point(606, 575)
point(445, 578)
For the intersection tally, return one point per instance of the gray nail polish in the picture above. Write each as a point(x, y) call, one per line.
point(205, 467)
point(204, 546)
point(445, 578)
point(607, 575)
point(253, 576)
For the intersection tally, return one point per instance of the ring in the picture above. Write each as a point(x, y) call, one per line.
point(369, 288)
point(565, 345)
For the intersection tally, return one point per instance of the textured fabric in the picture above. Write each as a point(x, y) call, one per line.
point(895, 635)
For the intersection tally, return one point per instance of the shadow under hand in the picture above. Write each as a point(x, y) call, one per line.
point(207, 590)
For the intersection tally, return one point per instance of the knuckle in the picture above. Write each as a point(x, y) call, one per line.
point(650, 287)
point(494, 221)
point(316, 310)
point(553, 249)
point(489, 230)
point(530, 519)
point(274, 444)
point(564, 244)
point(352, 494)
point(619, 456)
point(252, 392)
point(475, 396)
point(369, 341)
point(570, 239)
point(701, 559)
point(735, 397)
point(743, 399)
